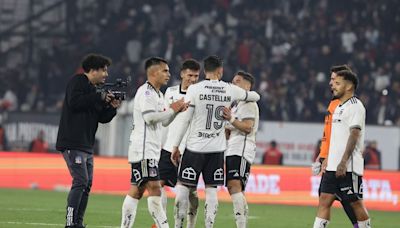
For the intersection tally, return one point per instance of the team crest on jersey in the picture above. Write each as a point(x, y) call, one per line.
point(147, 93)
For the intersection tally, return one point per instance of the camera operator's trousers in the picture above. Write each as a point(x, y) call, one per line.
point(80, 166)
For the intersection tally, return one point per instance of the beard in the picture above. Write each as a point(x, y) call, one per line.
point(337, 95)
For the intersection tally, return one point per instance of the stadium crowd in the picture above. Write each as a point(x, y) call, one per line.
point(289, 46)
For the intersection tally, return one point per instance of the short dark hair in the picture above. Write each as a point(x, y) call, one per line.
point(154, 61)
point(211, 63)
point(190, 64)
point(95, 62)
point(349, 76)
point(337, 68)
point(247, 76)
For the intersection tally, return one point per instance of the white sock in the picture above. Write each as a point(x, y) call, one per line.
point(157, 212)
point(320, 223)
point(211, 207)
point(164, 199)
point(129, 211)
point(193, 205)
point(181, 205)
point(240, 209)
point(364, 224)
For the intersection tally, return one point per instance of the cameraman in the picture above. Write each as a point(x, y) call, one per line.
point(83, 109)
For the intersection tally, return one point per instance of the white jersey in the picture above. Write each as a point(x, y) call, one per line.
point(349, 115)
point(240, 143)
point(145, 138)
point(207, 125)
point(173, 94)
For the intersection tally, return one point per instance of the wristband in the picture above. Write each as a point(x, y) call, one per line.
point(232, 119)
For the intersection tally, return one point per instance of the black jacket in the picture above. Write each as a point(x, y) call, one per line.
point(83, 109)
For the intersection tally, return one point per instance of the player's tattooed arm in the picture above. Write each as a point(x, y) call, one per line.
point(351, 144)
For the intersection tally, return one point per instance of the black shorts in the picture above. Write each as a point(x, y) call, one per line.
point(237, 168)
point(144, 171)
point(348, 188)
point(211, 165)
point(168, 171)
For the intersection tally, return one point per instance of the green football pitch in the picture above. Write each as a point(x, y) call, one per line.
point(36, 208)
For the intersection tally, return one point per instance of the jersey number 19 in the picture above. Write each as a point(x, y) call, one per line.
point(218, 116)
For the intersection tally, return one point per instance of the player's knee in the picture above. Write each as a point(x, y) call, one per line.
point(154, 188)
point(234, 186)
point(193, 192)
point(135, 192)
point(326, 200)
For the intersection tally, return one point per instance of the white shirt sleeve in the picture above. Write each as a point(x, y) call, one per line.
point(148, 106)
point(357, 117)
point(243, 95)
point(147, 102)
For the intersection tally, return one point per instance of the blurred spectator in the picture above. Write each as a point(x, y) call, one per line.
point(3, 139)
point(39, 144)
point(273, 156)
point(288, 45)
point(385, 113)
point(9, 102)
point(372, 156)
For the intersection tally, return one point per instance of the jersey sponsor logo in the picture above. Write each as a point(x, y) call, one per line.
point(189, 173)
point(219, 174)
point(207, 135)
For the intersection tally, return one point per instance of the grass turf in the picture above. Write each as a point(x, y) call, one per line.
point(36, 208)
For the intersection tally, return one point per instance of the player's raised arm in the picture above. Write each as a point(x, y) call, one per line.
point(150, 115)
point(246, 124)
point(243, 95)
point(184, 118)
